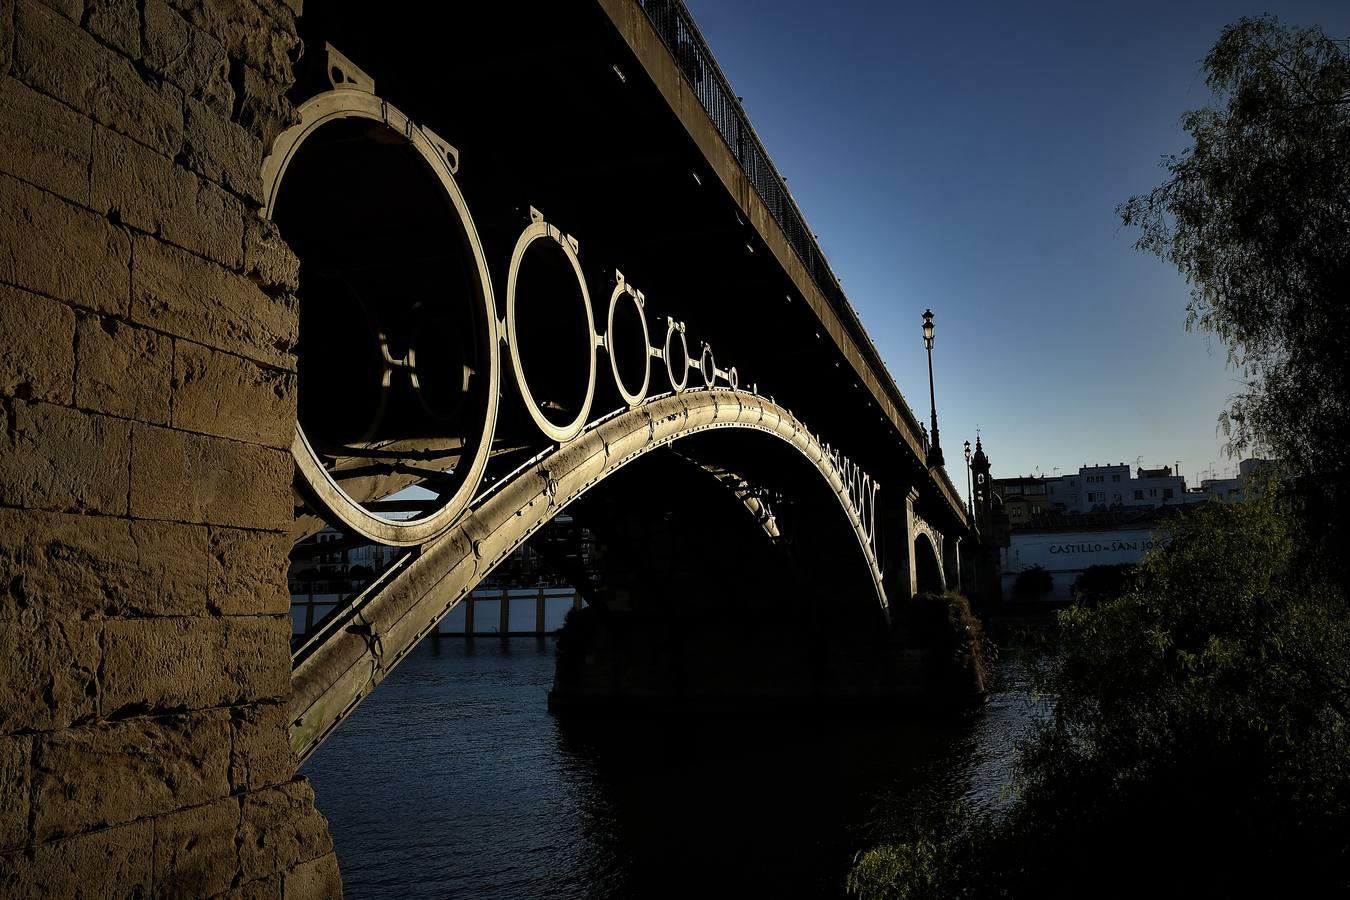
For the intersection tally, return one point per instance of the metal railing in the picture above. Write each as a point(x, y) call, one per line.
point(675, 25)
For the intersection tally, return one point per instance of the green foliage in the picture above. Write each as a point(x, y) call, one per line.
point(1032, 583)
point(958, 652)
point(1200, 743)
point(1202, 717)
point(1256, 215)
point(1103, 582)
point(935, 863)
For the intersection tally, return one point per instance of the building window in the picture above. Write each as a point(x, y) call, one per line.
point(1153, 492)
point(1139, 495)
point(1167, 493)
point(1115, 478)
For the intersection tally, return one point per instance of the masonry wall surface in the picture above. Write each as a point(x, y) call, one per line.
point(147, 399)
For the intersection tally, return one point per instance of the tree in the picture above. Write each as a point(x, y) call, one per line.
point(1032, 583)
point(1102, 582)
point(1256, 215)
point(1202, 718)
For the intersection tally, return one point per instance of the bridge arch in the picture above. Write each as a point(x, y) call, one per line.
point(927, 565)
point(343, 662)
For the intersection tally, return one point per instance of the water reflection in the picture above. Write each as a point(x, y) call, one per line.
point(453, 780)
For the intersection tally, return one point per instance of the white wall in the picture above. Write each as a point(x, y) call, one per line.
point(1065, 554)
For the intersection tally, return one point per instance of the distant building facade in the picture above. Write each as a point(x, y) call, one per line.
point(1091, 489)
point(1101, 515)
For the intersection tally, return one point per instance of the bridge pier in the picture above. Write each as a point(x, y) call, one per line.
point(147, 391)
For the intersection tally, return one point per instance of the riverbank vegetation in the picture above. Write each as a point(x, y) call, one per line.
point(1200, 743)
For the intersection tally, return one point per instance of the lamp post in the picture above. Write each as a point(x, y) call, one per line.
point(935, 451)
point(970, 503)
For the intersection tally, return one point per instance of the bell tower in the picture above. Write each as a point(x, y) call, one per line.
point(983, 497)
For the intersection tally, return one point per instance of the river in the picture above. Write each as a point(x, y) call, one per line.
point(453, 780)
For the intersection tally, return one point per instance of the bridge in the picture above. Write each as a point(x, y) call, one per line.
point(429, 284)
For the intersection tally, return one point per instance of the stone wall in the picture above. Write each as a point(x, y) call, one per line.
point(147, 400)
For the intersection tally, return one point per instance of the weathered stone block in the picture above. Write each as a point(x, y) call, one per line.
point(152, 194)
point(228, 396)
point(118, 22)
point(281, 829)
point(188, 56)
point(317, 879)
point(186, 477)
point(57, 458)
point(6, 35)
point(258, 657)
point(170, 663)
point(268, 259)
point(49, 674)
point(114, 862)
point(16, 756)
point(37, 347)
point(222, 151)
point(59, 58)
point(260, 753)
point(190, 297)
point(195, 854)
point(174, 572)
point(249, 30)
point(71, 9)
point(263, 108)
point(120, 771)
point(192, 663)
point(51, 247)
point(250, 576)
point(44, 141)
point(123, 370)
point(263, 889)
point(58, 566)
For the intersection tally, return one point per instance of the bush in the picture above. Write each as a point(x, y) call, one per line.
point(957, 652)
point(1100, 583)
point(1032, 584)
point(1202, 718)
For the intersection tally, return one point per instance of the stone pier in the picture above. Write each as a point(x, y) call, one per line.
point(147, 401)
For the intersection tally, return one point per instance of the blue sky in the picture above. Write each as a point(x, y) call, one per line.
point(969, 157)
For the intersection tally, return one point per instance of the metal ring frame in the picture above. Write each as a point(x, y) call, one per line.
point(623, 289)
point(541, 230)
point(355, 103)
point(346, 102)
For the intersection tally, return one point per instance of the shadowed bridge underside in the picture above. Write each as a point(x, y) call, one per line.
point(342, 663)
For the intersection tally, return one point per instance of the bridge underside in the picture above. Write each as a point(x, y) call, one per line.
point(702, 606)
point(716, 505)
point(555, 111)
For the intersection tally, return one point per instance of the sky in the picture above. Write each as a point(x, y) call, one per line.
point(969, 157)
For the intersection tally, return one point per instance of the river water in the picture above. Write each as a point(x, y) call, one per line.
point(453, 780)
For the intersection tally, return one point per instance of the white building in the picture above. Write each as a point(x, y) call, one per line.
point(1231, 490)
point(1092, 489)
point(1099, 488)
point(1066, 554)
point(1102, 515)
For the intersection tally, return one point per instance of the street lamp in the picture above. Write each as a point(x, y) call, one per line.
point(935, 451)
point(970, 504)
